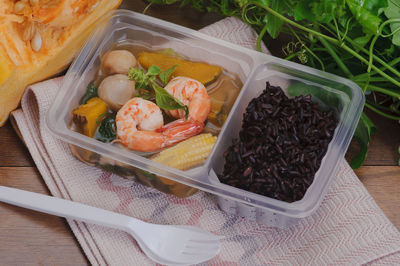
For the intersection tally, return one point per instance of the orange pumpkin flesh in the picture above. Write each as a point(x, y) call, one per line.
point(63, 26)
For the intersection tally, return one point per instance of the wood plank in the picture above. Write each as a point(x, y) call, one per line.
point(383, 149)
point(384, 144)
point(186, 16)
point(32, 238)
point(13, 151)
point(383, 183)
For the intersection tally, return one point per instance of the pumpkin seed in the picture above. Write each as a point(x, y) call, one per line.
point(34, 2)
point(29, 31)
point(36, 42)
point(19, 7)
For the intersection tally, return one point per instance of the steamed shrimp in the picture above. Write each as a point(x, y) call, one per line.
point(139, 123)
point(191, 93)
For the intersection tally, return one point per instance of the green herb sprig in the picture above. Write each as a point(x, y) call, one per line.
point(90, 93)
point(107, 129)
point(147, 81)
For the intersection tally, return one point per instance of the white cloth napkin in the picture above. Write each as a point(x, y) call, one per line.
point(348, 228)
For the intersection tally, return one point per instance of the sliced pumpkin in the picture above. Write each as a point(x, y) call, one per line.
point(202, 72)
point(39, 39)
point(86, 116)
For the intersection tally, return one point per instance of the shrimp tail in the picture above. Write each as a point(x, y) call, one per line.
point(179, 130)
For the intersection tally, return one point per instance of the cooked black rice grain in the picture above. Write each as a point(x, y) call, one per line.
point(280, 146)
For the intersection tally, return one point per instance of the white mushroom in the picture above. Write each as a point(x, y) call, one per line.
point(116, 90)
point(118, 62)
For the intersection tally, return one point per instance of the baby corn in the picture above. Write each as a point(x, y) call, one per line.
point(188, 153)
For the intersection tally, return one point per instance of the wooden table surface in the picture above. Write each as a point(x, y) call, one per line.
point(31, 238)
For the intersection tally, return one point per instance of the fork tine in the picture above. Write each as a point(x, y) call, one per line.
point(205, 248)
point(197, 230)
point(199, 257)
point(194, 258)
point(196, 236)
point(202, 244)
point(204, 241)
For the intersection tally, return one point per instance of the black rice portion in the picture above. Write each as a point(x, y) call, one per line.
point(280, 146)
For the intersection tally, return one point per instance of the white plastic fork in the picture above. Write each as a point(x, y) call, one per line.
point(164, 244)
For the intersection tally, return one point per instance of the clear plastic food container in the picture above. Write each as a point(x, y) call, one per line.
point(254, 70)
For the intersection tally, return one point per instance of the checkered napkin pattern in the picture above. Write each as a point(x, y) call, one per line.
point(347, 229)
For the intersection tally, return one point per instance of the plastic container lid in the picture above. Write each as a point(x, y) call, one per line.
point(253, 68)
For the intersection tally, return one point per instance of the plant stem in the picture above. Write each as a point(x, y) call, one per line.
point(378, 59)
point(365, 61)
point(307, 49)
point(260, 36)
point(338, 61)
point(382, 113)
point(291, 56)
point(383, 90)
point(289, 21)
point(371, 79)
point(332, 40)
point(383, 108)
point(383, 68)
point(371, 47)
point(320, 49)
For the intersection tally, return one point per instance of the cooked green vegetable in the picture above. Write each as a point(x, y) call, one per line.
point(355, 39)
point(147, 81)
point(164, 75)
point(91, 92)
point(202, 72)
point(107, 128)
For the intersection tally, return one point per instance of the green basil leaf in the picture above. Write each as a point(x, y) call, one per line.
point(146, 96)
point(274, 24)
point(373, 6)
point(362, 40)
point(226, 9)
point(393, 12)
point(116, 169)
point(324, 10)
point(146, 174)
point(303, 11)
point(164, 75)
point(166, 101)
point(90, 93)
point(368, 20)
point(107, 129)
point(365, 129)
point(139, 77)
point(153, 71)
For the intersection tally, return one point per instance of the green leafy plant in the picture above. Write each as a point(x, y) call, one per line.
point(147, 81)
point(90, 93)
point(107, 129)
point(355, 39)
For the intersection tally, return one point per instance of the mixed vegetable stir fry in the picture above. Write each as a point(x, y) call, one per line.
point(152, 102)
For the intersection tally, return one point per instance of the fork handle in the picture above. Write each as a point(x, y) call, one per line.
point(67, 209)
